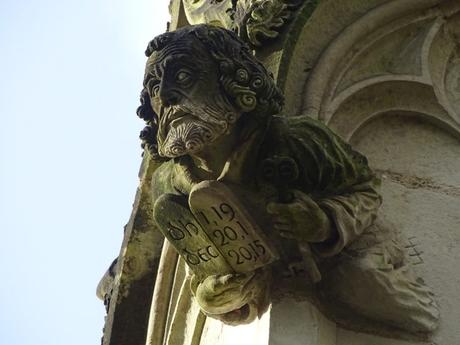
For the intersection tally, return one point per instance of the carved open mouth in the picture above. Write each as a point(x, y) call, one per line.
point(175, 116)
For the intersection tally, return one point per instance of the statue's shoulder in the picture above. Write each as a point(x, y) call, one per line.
point(326, 160)
point(302, 130)
point(300, 124)
point(162, 179)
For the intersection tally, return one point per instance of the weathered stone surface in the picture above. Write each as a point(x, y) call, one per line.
point(316, 191)
point(185, 233)
point(419, 168)
point(383, 74)
point(228, 223)
point(135, 272)
point(210, 12)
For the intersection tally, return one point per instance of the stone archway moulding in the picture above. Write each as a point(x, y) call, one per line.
point(336, 78)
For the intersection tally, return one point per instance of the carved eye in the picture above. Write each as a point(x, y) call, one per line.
point(183, 77)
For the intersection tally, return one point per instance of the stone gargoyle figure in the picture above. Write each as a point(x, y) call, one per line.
point(247, 194)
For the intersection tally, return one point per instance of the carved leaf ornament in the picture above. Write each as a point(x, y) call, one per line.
point(261, 20)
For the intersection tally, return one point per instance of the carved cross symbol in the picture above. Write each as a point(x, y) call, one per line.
point(414, 253)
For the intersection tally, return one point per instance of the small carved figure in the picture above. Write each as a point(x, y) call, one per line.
point(259, 20)
point(245, 194)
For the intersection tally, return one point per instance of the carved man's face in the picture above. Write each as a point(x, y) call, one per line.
point(182, 81)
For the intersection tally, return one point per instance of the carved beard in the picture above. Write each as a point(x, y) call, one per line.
point(187, 129)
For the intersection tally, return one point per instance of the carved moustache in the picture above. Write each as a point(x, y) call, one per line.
point(204, 125)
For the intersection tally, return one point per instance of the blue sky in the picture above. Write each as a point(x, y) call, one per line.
point(71, 73)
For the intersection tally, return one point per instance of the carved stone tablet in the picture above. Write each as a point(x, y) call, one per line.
point(180, 227)
point(230, 227)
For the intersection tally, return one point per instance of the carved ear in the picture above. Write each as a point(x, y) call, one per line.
point(246, 100)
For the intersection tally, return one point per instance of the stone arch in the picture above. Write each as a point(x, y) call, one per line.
point(364, 47)
point(352, 109)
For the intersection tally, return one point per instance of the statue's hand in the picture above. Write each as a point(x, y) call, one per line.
point(236, 298)
point(302, 219)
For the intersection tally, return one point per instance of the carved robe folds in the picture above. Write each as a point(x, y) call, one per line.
point(211, 237)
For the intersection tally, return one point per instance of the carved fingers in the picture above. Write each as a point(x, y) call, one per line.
point(233, 298)
point(284, 226)
point(219, 294)
point(302, 219)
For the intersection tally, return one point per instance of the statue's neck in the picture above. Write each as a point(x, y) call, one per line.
point(231, 158)
point(210, 161)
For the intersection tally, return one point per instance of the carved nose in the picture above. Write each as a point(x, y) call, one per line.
point(169, 98)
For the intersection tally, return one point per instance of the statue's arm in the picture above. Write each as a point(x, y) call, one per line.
point(337, 195)
point(349, 215)
point(329, 223)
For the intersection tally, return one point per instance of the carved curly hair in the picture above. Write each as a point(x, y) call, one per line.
point(246, 82)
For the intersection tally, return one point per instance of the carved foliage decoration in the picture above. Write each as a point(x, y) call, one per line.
point(256, 21)
point(259, 20)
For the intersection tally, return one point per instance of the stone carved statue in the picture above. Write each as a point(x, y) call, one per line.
point(247, 195)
